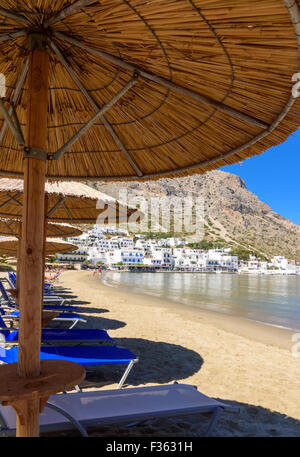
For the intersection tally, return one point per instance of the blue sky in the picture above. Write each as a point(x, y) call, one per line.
point(274, 176)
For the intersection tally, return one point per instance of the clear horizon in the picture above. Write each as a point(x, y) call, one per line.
point(274, 177)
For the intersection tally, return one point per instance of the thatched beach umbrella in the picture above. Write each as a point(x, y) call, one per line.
point(9, 246)
point(72, 202)
point(133, 90)
point(11, 227)
point(64, 201)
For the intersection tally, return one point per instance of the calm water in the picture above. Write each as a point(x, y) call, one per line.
point(270, 299)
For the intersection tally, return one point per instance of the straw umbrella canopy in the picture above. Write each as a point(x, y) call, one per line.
point(72, 202)
point(11, 227)
point(9, 246)
point(133, 90)
point(203, 84)
point(64, 201)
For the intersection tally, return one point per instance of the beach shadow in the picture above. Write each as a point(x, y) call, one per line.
point(79, 302)
point(89, 310)
point(72, 301)
point(92, 322)
point(72, 298)
point(82, 306)
point(62, 290)
point(255, 421)
point(67, 294)
point(159, 363)
point(101, 322)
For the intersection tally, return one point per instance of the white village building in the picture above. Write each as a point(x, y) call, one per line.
point(283, 265)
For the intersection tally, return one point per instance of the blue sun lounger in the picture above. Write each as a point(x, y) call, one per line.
point(13, 279)
point(13, 276)
point(51, 335)
point(84, 355)
point(62, 317)
point(47, 296)
point(11, 304)
point(48, 291)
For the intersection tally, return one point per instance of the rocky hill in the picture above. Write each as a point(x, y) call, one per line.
point(234, 216)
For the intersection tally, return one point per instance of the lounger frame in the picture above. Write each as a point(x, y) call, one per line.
point(212, 407)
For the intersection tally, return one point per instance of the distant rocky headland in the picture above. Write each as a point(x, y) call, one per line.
point(234, 216)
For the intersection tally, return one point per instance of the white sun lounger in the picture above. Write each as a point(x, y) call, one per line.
point(91, 408)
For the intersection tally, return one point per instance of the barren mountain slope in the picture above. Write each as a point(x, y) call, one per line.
point(233, 214)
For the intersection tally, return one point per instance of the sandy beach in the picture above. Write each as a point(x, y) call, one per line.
point(239, 362)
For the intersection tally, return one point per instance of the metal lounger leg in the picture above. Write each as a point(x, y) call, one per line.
point(3, 425)
point(76, 424)
point(215, 416)
point(126, 373)
point(73, 325)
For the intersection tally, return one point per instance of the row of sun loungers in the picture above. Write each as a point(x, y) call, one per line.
point(67, 314)
point(83, 409)
point(84, 355)
point(49, 294)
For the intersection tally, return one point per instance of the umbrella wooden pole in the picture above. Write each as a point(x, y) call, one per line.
point(31, 283)
point(18, 262)
point(44, 245)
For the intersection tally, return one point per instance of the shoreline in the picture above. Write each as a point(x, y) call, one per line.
point(261, 332)
point(249, 273)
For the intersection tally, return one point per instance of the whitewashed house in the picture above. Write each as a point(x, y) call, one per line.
point(190, 259)
point(78, 256)
point(96, 255)
point(126, 243)
point(253, 265)
point(162, 257)
point(128, 257)
point(283, 264)
point(221, 260)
